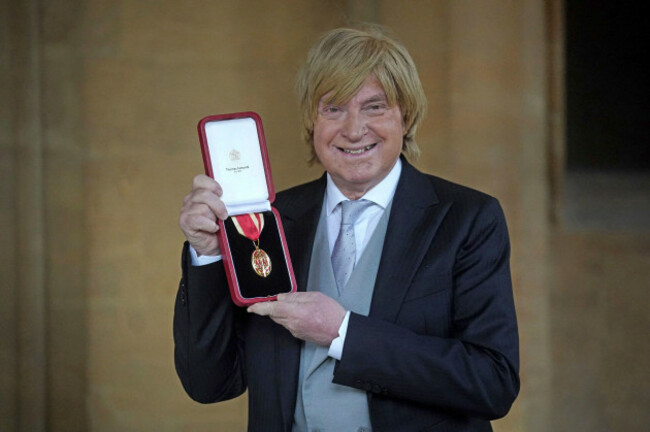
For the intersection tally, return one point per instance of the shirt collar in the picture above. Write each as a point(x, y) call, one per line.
point(381, 194)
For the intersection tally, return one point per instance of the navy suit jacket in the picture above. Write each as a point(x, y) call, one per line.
point(438, 351)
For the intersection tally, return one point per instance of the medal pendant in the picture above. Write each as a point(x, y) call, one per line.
point(251, 226)
point(261, 262)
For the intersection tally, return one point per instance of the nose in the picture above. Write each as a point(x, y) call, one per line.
point(355, 127)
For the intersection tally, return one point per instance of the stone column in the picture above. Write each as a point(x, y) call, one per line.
point(24, 284)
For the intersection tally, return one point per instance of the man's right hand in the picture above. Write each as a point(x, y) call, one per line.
point(198, 218)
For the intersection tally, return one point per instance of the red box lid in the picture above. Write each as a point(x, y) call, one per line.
point(235, 155)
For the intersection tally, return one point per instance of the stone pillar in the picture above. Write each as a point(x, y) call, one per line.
point(64, 191)
point(532, 248)
point(24, 286)
point(8, 273)
point(43, 356)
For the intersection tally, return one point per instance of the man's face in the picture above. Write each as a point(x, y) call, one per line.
point(358, 142)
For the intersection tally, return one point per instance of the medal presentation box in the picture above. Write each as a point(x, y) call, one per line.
point(252, 241)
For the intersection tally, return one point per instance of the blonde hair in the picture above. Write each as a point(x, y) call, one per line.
point(340, 62)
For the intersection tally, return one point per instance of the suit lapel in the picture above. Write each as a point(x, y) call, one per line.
point(415, 217)
point(300, 213)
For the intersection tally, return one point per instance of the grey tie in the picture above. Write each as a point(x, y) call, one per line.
point(345, 249)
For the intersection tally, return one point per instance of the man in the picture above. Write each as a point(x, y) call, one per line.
point(404, 319)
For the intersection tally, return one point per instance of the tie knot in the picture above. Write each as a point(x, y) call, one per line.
point(351, 210)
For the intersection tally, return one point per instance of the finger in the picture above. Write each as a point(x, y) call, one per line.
point(202, 181)
point(215, 204)
point(200, 223)
point(299, 297)
point(207, 198)
point(294, 297)
point(195, 213)
point(200, 232)
point(284, 297)
point(262, 308)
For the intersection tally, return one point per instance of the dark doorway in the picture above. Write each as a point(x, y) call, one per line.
point(607, 86)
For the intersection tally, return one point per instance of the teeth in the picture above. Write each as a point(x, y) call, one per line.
point(361, 150)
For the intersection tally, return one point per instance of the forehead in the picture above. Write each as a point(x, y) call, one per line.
point(370, 90)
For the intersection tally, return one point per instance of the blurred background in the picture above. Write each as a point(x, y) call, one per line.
point(543, 104)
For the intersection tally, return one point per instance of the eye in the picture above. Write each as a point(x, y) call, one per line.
point(331, 111)
point(375, 108)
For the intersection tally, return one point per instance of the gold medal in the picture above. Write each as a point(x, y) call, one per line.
point(250, 226)
point(261, 261)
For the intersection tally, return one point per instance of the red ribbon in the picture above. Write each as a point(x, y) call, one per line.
point(249, 225)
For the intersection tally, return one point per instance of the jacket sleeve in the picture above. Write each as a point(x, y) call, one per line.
point(208, 350)
point(471, 369)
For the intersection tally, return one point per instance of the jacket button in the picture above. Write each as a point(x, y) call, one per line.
point(182, 292)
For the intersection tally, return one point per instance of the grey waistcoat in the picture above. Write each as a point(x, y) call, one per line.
point(322, 406)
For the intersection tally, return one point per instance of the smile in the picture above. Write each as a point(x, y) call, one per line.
point(358, 151)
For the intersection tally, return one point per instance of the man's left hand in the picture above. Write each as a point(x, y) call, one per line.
point(310, 316)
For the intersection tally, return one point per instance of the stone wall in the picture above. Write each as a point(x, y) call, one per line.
point(98, 146)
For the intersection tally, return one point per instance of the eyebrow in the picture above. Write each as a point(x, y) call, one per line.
point(379, 97)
